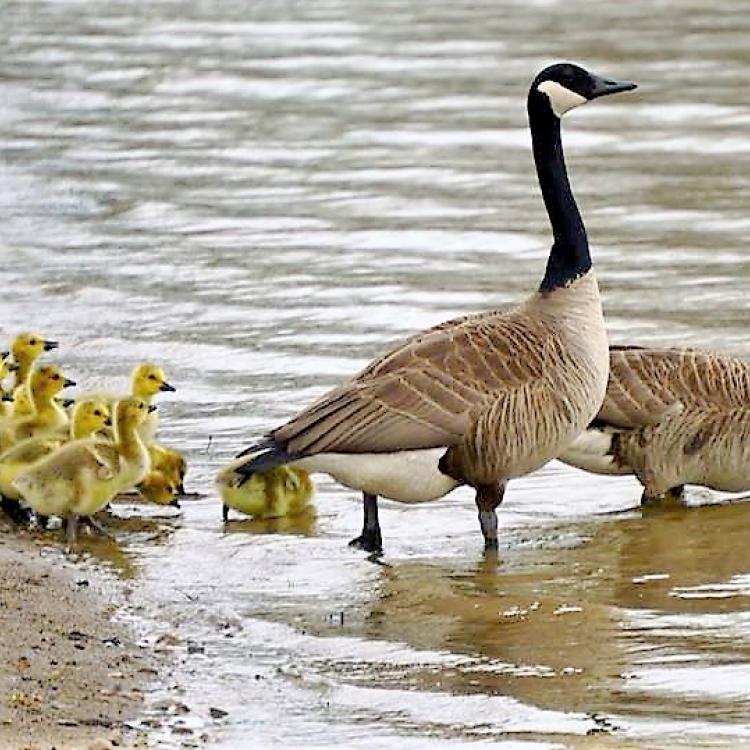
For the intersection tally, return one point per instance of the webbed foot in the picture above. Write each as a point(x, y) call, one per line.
point(369, 540)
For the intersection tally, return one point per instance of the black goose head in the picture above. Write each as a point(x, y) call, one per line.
point(563, 86)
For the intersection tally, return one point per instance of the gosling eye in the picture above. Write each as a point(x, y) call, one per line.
point(152, 377)
point(55, 377)
point(33, 342)
point(97, 413)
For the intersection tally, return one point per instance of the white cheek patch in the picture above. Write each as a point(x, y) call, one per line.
point(560, 98)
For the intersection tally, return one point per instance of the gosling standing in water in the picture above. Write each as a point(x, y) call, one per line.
point(276, 493)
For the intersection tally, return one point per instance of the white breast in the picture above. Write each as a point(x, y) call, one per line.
point(406, 476)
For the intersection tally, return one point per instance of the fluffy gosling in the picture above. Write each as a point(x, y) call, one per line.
point(281, 491)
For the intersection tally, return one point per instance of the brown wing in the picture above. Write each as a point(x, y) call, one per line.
point(420, 394)
point(646, 385)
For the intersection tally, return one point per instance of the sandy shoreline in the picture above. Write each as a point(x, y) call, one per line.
point(71, 674)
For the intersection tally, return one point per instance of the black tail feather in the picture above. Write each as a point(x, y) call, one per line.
point(261, 445)
point(265, 457)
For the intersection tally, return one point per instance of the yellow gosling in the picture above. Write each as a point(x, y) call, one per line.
point(146, 381)
point(26, 349)
point(22, 405)
point(281, 491)
point(157, 488)
point(171, 463)
point(89, 417)
point(48, 416)
point(82, 476)
point(6, 396)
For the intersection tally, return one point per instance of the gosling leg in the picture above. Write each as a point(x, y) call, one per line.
point(71, 532)
point(94, 525)
point(225, 512)
point(488, 497)
point(370, 540)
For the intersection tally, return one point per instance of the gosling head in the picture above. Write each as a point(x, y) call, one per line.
point(157, 488)
point(148, 380)
point(27, 347)
point(131, 411)
point(48, 380)
point(90, 416)
point(564, 86)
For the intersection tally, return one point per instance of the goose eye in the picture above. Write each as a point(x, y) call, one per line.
point(55, 377)
point(152, 377)
point(33, 342)
point(97, 413)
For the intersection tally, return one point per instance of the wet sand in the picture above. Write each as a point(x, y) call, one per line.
point(71, 674)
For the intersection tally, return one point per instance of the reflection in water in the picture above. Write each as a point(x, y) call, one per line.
point(261, 197)
point(302, 524)
point(579, 629)
point(130, 527)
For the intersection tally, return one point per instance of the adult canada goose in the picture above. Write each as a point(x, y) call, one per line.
point(671, 417)
point(481, 399)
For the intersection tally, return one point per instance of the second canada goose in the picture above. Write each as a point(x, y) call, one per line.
point(481, 399)
point(671, 417)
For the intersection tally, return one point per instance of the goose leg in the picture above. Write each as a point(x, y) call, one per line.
point(488, 497)
point(676, 493)
point(647, 499)
point(370, 539)
point(673, 493)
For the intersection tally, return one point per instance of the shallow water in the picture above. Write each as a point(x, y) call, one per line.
point(263, 196)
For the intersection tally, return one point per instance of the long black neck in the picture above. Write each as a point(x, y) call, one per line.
point(569, 257)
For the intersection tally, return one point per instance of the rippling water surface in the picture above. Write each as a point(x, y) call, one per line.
point(262, 196)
